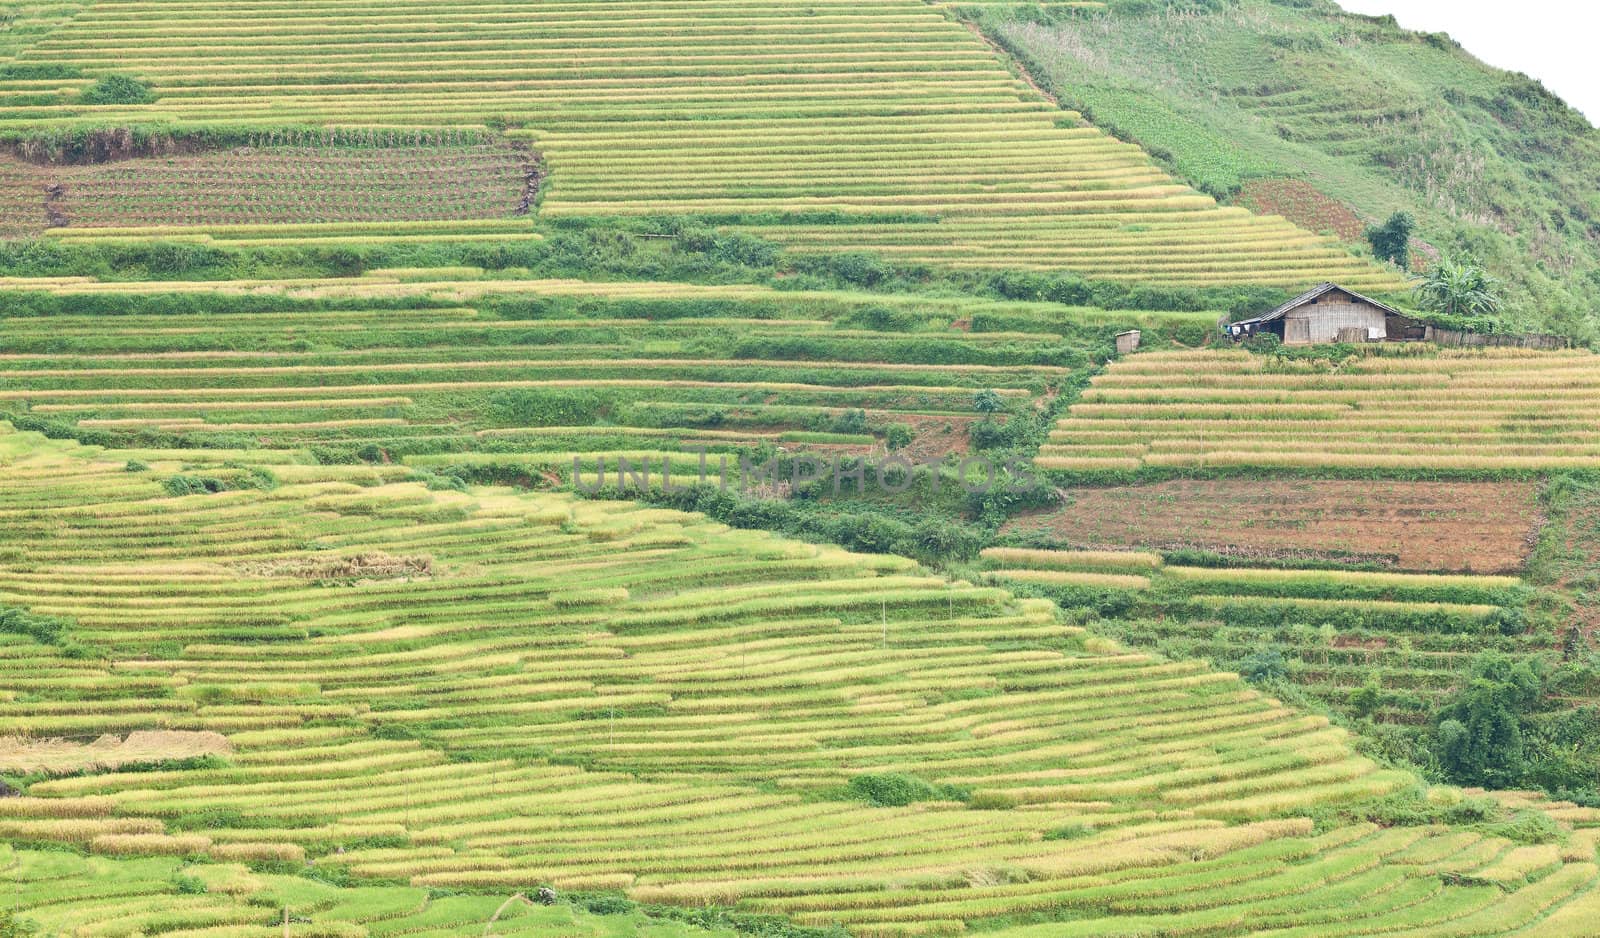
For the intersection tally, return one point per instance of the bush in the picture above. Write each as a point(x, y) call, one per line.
point(535, 407)
point(851, 421)
point(610, 905)
point(180, 485)
point(46, 630)
point(898, 435)
point(897, 791)
point(746, 250)
point(860, 268)
point(1265, 664)
point(879, 319)
point(1069, 832)
point(118, 89)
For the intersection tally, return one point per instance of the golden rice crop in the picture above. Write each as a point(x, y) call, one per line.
point(245, 852)
point(1075, 578)
point(1073, 559)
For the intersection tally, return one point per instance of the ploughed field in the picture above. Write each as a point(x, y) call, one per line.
point(397, 177)
point(1470, 527)
point(887, 127)
point(484, 690)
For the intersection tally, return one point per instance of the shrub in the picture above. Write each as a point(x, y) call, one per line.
point(537, 407)
point(898, 435)
point(852, 421)
point(181, 485)
point(1264, 343)
point(118, 89)
point(988, 402)
point(610, 905)
point(897, 791)
point(746, 250)
point(1265, 664)
point(1069, 832)
point(859, 268)
point(1365, 700)
point(46, 630)
point(878, 318)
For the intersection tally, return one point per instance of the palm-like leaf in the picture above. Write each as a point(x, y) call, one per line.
point(1460, 288)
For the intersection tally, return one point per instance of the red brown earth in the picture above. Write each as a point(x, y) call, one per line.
point(1303, 204)
point(1477, 527)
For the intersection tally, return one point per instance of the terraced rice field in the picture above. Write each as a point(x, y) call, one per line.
point(891, 116)
point(1485, 413)
point(1415, 635)
point(68, 894)
point(1469, 527)
point(270, 185)
point(545, 369)
point(486, 690)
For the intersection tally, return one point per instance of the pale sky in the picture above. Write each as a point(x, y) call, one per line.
point(1551, 40)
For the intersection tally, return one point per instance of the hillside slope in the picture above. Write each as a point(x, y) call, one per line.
point(1368, 118)
point(483, 691)
point(1224, 459)
point(826, 126)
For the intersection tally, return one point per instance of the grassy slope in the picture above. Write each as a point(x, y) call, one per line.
point(1374, 116)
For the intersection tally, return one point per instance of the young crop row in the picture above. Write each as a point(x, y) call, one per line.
point(272, 185)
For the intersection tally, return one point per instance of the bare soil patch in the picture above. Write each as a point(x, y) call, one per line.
point(1303, 204)
point(1478, 527)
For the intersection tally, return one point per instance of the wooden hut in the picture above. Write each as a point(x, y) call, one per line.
point(1330, 313)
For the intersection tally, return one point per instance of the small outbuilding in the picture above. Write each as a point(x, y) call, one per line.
point(1330, 313)
point(1128, 342)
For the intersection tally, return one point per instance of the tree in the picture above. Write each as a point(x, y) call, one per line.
point(1460, 287)
point(1480, 738)
point(1391, 241)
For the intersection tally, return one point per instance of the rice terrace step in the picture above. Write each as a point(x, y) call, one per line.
point(791, 469)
